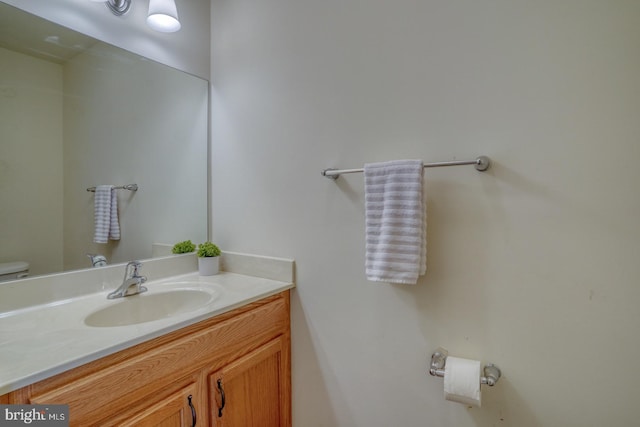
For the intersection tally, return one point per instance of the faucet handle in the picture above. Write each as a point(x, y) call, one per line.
point(132, 269)
point(136, 267)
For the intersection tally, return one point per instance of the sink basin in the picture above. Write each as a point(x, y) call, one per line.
point(147, 307)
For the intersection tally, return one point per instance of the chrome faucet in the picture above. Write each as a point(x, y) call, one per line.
point(132, 282)
point(97, 260)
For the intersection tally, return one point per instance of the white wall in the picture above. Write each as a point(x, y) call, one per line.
point(185, 49)
point(532, 265)
point(30, 161)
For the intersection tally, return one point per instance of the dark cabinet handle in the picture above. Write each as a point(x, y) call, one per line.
point(193, 411)
point(222, 403)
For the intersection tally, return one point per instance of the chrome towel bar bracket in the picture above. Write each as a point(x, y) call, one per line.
point(481, 164)
point(439, 359)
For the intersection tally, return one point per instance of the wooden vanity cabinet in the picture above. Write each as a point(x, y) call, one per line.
point(166, 381)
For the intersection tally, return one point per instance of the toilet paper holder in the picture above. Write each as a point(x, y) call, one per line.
point(439, 359)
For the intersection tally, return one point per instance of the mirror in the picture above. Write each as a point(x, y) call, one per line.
point(76, 113)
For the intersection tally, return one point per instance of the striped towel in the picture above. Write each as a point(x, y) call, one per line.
point(396, 221)
point(106, 214)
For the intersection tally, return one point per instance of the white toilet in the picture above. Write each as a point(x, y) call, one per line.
point(13, 270)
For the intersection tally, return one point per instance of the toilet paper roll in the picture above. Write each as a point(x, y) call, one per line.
point(462, 381)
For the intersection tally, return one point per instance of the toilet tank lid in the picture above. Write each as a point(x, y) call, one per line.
point(13, 267)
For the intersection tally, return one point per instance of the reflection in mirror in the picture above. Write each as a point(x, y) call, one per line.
point(77, 113)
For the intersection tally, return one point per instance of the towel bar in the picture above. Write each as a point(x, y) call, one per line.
point(481, 163)
point(439, 358)
point(130, 187)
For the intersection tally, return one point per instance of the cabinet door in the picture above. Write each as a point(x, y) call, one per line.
point(255, 390)
point(176, 410)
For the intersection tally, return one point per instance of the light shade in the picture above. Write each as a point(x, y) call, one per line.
point(163, 16)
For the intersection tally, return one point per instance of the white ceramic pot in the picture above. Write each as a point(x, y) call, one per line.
point(208, 266)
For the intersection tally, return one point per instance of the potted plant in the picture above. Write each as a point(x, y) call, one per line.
point(208, 259)
point(183, 247)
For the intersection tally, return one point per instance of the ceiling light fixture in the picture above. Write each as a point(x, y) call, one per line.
point(162, 16)
point(118, 7)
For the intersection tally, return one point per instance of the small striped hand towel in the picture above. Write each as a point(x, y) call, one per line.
point(106, 214)
point(395, 221)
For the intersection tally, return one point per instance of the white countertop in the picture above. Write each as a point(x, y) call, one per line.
point(41, 341)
